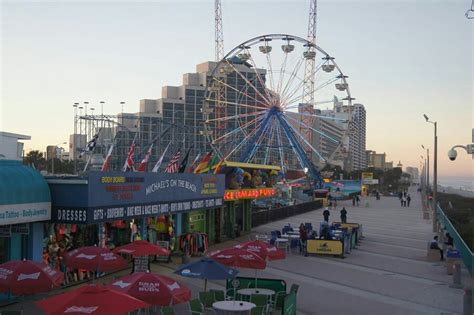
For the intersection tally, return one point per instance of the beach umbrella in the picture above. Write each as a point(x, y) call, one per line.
point(23, 277)
point(238, 257)
point(91, 299)
point(152, 288)
point(207, 269)
point(94, 258)
point(263, 249)
point(142, 248)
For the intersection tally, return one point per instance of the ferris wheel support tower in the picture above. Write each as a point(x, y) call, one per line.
point(219, 35)
point(307, 106)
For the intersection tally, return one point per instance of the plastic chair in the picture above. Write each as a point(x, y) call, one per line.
point(277, 302)
point(258, 310)
point(207, 298)
point(219, 295)
point(196, 307)
point(259, 300)
point(167, 310)
point(294, 288)
point(230, 294)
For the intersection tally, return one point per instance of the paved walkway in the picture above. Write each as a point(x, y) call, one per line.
point(387, 274)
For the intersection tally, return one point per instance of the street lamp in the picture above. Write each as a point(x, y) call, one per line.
point(427, 163)
point(54, 156)
point(435, 171)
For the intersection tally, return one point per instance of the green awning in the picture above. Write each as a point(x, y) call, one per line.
point(24, 194)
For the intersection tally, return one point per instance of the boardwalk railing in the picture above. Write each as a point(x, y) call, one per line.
point(466, 254)
point(261, 217)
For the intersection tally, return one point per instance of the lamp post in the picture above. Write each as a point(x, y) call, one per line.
point(54, 156)
point(427, 163)
point(76, 105)
point(435, 171)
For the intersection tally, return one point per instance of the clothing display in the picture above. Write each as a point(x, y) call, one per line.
point(193, 244)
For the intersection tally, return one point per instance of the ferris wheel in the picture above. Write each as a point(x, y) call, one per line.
point(254, 111)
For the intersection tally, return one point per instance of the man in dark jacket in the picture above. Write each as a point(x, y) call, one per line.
point(326, 215)
point(343, 215)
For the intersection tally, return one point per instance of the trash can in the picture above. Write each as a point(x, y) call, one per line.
point(452, 256)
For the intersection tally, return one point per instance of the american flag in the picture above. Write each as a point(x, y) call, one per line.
point(173, 165)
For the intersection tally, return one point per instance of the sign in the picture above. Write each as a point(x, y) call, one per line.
point(249, 193)
point(140, 264)
point(325, 247)
point(25, 213)
point(115, 188)
point(5, 231)
point(110, 196)
point(370, 181)
point(21, 228)
point(367, 175)
point(289, 304)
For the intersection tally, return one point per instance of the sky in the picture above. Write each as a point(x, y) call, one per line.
point(403, 58)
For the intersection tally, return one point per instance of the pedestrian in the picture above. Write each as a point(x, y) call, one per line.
point(357, 200)
point(353, 201)
point(400, 195)
point(326, 215)
point(401, 201)
point(377, 195)
point(344, 215)
point(405, 194)
point(335, 203)
point(303, 239)
point(449, 240)
point(434, 245)
point(408, 200)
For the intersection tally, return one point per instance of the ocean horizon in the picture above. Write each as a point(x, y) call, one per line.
point(457, 182)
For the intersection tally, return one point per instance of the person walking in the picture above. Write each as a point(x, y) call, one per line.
point(326, 215)
point(344, 215)
point(408, 200)
point(353, 201)
point(401, 201)
point(303, 239)
point(357, 200)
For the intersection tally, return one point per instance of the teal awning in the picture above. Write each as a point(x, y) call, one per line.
point(21, 184)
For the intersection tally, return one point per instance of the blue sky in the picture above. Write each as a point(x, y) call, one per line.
point(403, 59)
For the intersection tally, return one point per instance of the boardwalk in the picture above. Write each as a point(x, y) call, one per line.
point(386, 274)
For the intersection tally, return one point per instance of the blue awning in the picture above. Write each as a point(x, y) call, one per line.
point(24, 194)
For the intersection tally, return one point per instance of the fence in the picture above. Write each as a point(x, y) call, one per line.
point(466, 254)
point(268, 215)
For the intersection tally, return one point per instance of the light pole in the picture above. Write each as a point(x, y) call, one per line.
point(427, 162)
point(435, 172)
point(54, 156)
point(76, 105)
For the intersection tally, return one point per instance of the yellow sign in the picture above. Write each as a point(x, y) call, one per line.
point(347, 225)
point(249, 193)
point(367, 175)
point(325, 247)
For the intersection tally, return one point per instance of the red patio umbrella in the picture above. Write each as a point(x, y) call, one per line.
point(142, 248)
point(263, 249)
point(91, 299)
point(94, 258)
point(23, 277)
point(238, 257)
point(152, 288)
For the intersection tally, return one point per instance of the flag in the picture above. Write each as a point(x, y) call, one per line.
point(144, 163)
point(204, 163)
point(212, 163)
point(130, 163)
point(173, 165)
point(90, 145)
point(191, 168)
point(182, 166)
point(106, 165)
point(160, 160)
point(219, 166)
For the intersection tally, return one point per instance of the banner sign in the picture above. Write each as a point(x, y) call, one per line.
point(249, 193)
point(119, 196)
point(325, 247)
point(25, 213)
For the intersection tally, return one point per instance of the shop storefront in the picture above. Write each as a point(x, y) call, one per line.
point(112, 209)
point(244, 183)
point(25, 203)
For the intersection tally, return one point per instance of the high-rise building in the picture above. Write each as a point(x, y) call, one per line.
point(357, 139)
point(414, 174)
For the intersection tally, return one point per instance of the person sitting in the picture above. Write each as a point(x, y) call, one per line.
point(434, 245)
point(325, 233)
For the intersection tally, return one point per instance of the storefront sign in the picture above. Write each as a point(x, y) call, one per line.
point(249, 193)
point(25, 213)
point(5, 231)
point(326, 247)
point(21, 228)
point(110, 196)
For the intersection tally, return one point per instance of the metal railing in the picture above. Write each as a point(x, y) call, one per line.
point(466, 253)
